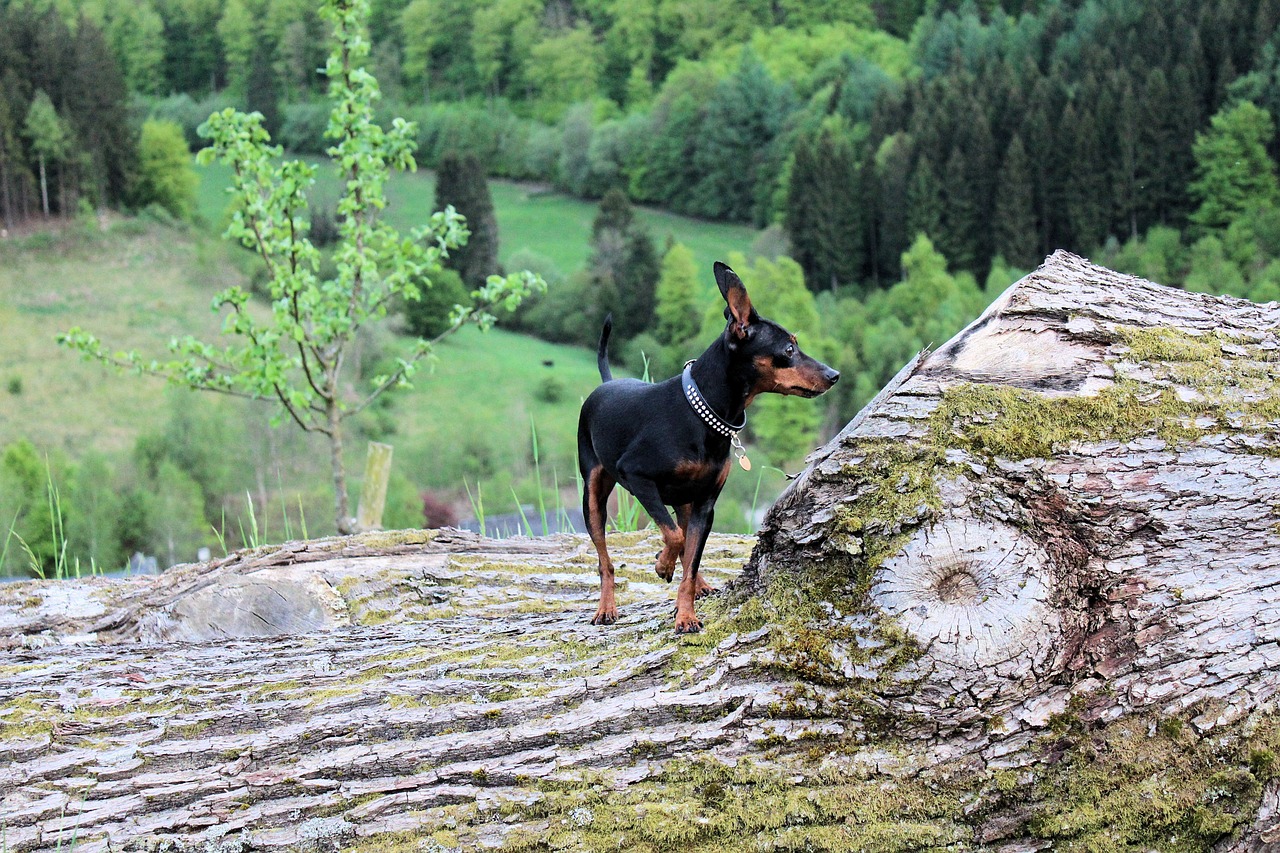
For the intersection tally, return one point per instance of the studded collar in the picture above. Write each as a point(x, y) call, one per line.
point(700, 405)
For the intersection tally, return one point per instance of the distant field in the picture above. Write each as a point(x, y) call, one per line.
point(134, 291)
point(138, 286)
point(551, 224)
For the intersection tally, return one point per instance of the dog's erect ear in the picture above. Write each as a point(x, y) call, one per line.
point(740, 312)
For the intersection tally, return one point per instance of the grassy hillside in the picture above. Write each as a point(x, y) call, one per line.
point(135, 287)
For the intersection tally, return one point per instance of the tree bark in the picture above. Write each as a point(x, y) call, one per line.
point(1026, 600)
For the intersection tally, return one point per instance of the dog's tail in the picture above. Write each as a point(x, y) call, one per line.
point(602, 354)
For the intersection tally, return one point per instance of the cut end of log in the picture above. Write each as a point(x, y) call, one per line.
point(1054, 497)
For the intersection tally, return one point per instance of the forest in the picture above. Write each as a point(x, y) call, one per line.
point(902, 162)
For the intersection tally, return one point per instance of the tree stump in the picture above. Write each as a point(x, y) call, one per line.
point(1026, 600)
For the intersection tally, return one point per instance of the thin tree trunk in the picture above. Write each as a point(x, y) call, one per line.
point(341, 504)
point(6, 192)
point(44, 189)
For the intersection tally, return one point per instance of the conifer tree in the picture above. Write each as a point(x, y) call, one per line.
point(981, 171)
point(1234, 175)
point(1014, 225)
point(961, 217)
point(639, 281)
point(824, 214)
point(887, 186)
point(1265, 23)
point(261, 94)
point(676, 308)
point(623, 269)
point(97, 106)
point(1125, 160)
point(1184, 119)
point(1087, 207)
point(193, 60)
point(924, 200)
point(615, 213)
point(1040, 137)
point(10, 154)
point(734, 151)
point(461, 183)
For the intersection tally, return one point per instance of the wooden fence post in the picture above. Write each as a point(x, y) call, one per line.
point(373, 493)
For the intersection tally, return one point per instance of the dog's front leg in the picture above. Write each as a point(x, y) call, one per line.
point(692, 586)
point(701, 587)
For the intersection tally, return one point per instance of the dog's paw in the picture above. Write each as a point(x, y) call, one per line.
point(703, 589)
point(687, 624)
point(605, 616)
point(665, 572)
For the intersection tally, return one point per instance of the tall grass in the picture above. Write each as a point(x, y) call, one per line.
point(252, 540)
point(537, 473)
point(477, 505)
point(628, 517)
point(8, 537)
point(63, 566)
point(284, 510)
point(254, 537)
point(219, 533)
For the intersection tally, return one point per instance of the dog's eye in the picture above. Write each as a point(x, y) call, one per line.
point(791, 349)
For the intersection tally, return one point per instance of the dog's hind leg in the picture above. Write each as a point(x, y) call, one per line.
point(672, 549)
point(595, 498)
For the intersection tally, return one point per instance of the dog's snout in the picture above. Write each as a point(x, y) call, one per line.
point(832, 376)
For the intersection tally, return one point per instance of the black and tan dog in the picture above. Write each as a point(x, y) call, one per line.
point(669, 443)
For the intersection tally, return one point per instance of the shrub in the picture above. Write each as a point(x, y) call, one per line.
point(324, 226)
point(437, 511)
point(492, 132)
point(428, 315)
point(165, 175)
point(550, 389)
point(189, 114)
point(302, 131)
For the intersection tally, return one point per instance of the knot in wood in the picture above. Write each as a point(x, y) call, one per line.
point(973, 592)
point(958, 584)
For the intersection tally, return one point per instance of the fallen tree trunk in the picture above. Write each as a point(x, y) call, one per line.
point(1027, 599)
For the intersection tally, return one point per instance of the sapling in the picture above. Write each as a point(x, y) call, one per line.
point(297, 356)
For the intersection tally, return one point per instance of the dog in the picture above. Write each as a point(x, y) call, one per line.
point(669, 443)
